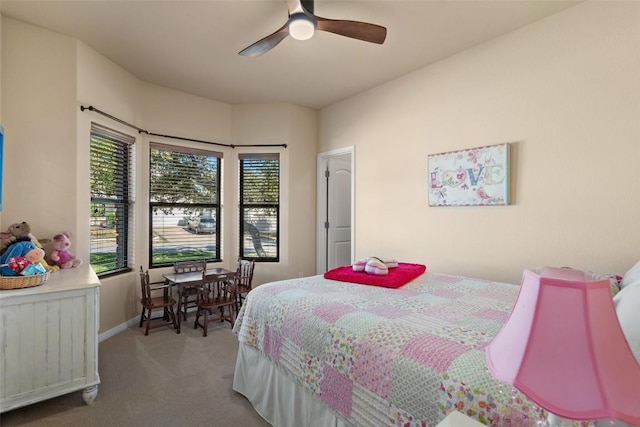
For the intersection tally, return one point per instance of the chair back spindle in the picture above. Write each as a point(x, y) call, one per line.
point(244, 280)
point(189, 266)
point(216, 300)
point(189, 292)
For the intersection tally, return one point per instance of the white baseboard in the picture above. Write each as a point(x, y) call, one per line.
point(129, 323)
point(117, 329)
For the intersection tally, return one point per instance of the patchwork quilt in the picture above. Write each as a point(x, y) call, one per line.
point(389, 357)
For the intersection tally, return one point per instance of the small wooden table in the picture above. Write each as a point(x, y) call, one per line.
point(182, 279)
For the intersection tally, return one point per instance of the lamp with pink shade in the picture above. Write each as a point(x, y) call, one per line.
point(563, 347)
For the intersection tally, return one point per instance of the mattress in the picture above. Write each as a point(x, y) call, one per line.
point(372, 356)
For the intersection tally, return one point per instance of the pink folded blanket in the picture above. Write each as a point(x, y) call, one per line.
point(403, 274)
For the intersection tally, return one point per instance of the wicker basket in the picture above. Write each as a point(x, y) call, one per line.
point(17, 282)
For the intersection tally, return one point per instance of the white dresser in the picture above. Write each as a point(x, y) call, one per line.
point(49, 339)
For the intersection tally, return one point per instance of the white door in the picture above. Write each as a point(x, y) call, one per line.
point(334, 210)
point(339, 211)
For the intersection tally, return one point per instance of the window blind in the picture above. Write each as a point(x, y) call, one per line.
point(110, 181)
point(259, 206)
point(184, 207)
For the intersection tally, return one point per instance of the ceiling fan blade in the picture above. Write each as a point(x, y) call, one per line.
point(267, 43)
point(356, 30)
point(301, 16)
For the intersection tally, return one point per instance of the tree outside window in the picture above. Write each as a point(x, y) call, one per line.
point(184, 207)
point(110, 215)
point(260, 206)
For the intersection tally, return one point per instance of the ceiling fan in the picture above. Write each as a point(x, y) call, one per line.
point(302, 24)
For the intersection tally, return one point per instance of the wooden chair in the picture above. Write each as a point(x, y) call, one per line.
point(216, 298)
point(189, 292)
point(156, 296)
point(244, 278)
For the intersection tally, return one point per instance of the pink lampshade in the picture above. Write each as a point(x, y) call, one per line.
point(563, 347)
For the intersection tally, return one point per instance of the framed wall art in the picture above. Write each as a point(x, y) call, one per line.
point(471, 177)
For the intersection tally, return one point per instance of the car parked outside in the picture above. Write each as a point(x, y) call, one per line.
point(202, 225)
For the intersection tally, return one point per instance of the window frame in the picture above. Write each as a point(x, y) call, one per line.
point(216, 206)
point(123, 198)
point(242, 205)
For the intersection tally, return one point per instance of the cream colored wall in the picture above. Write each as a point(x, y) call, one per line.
point(38, 113)
point(169, 112)
point(565, 91)
point(51, 76)
point(301, 215)
point(296, 127)
point(111, 89)
point(158, 110)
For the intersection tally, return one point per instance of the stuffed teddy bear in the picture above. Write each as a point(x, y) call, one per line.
point(22, 247)
point(14, 232)
point(61, 255)
point(20, 231)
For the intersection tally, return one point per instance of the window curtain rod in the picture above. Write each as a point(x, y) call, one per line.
point(140, 130)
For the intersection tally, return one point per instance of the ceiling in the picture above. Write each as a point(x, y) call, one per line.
point(193, 46)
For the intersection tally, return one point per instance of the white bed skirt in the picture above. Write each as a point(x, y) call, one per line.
point(276, 396)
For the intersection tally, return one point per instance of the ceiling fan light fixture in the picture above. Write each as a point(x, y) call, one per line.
point(301, 27)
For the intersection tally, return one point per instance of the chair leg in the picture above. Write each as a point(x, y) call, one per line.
point(141, 317)
point(239, 299)
point(172, 314)
point(232, 315)
point(206, 323)
point(146, 332)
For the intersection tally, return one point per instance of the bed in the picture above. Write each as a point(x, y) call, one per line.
point(320, 352)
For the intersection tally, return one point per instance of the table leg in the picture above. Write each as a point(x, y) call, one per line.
point(179, 310)
point(167, 294)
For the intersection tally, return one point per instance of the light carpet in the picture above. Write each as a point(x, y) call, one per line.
point(163, 379)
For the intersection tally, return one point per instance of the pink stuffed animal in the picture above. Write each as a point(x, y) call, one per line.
point(61, 255)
